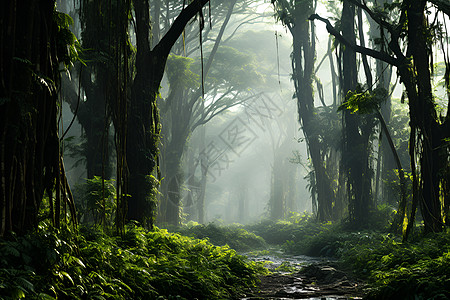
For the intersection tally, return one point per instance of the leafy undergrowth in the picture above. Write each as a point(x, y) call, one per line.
point(395, 270)
point(418, 269)
point(235, 236)
point(141, 265)
point(298, 228)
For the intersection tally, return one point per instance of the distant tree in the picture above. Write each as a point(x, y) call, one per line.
point(294, 15)
point(225, 89)
point(183, 111)
point(283, 171)
point(191, 103)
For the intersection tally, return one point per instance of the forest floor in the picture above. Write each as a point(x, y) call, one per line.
point(303, 277)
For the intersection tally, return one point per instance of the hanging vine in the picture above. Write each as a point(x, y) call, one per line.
point(31, 162)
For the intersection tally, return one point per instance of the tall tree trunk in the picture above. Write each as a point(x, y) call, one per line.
point(303, 58)
point(425, 115)
point(30, 162)
point(278, 193)
point(101, 28)
point(143, 122)
point(143, 119)
point(174, 179)
point(357, 131)
point(204, 166)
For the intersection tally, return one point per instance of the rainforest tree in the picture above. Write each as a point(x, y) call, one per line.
point(429, 129)
point(199, 90)
point(122, 86)
point(143, 124)
point(35, 40)
point(357, 131)
point(294, 14)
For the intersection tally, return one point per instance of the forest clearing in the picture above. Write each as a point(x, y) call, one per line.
point(225, 149)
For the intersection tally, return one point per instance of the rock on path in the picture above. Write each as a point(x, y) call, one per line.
point(316, 281)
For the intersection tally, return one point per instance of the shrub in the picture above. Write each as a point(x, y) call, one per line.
point(143, 264)
point(235, 236)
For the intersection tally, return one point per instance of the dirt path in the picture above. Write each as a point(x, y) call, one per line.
point(314, 281)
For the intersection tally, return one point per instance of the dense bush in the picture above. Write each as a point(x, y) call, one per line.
point(297, 227)
point(95, 200)
point(235, 236)
point(141, 265)
point(304, 234)
point(394, 270)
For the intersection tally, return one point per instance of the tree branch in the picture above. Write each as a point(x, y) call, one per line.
point(442, 5)
point(178, 25)
point(363, 50)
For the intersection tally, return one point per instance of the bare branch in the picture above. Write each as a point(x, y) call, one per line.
point(251, 21)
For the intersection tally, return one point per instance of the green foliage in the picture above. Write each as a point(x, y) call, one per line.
point(37, 265)
point(234, 236)
point(327, 239)
point(295, 227)
point(96, 201)
point(179, 72)
point(417, 270)
point(287, 267)
point(143, 264)
point(232, 67)
point(67, 45)
point(363, 101)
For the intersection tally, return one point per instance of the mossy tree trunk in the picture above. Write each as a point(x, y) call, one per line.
point(30, 158)
point(356, 132)
point(143, 117)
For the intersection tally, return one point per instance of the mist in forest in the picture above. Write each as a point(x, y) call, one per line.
point(224, 149)
point(257, 113)
point(252, 152)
